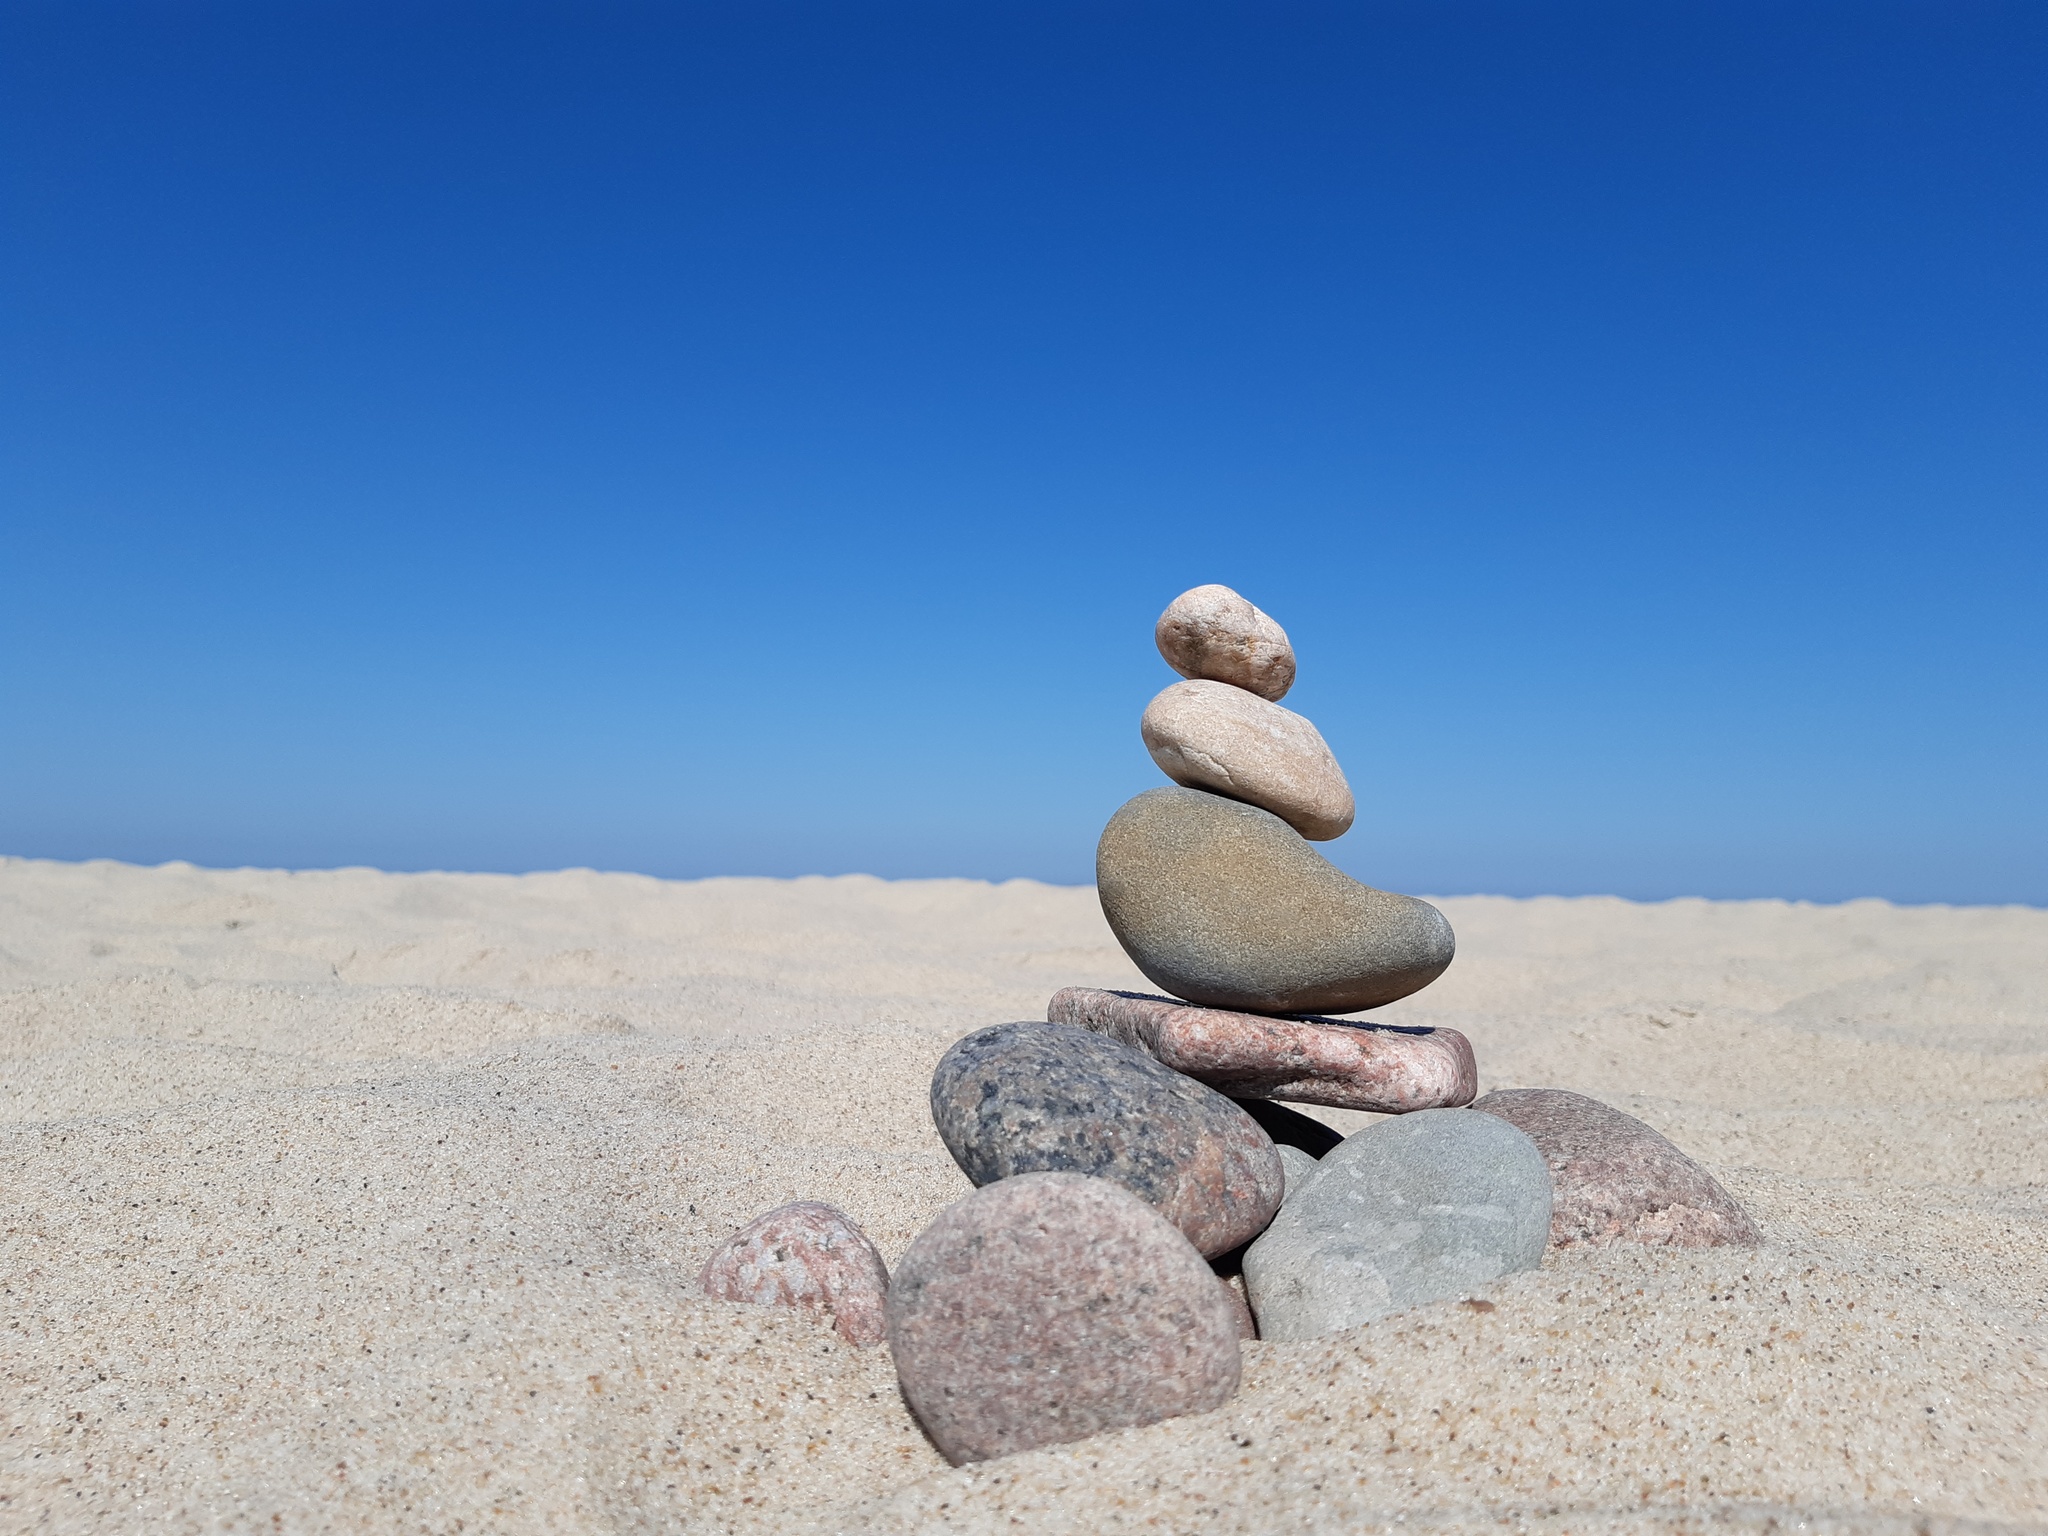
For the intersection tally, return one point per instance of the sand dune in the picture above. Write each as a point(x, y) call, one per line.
point(356, 1201)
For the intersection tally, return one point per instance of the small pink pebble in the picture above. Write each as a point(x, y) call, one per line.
point(810, 1256)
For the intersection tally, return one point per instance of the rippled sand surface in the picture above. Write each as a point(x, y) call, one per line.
point(369, 1202)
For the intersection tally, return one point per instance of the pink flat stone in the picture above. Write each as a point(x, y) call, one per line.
point(1386, 1068)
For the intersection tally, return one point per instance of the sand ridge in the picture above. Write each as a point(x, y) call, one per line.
point(354, 1201)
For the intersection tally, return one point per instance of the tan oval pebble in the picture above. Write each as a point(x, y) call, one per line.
point(809, 1256)
point(1617, 1180)
point(1209, 735)
point(1050, 1307)
point(1212, 632)
point(1225, 905)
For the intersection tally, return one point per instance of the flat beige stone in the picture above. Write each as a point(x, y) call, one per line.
point(1212, 632)
point(1209, 735)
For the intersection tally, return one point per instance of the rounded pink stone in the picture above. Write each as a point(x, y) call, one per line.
point(810, 1256)
point(1053, 1306)
point(1617, 1180)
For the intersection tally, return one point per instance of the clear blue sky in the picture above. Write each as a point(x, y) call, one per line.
point(757, 438)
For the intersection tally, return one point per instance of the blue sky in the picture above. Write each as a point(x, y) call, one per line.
point(757, 439)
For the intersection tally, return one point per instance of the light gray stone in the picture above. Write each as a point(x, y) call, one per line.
point(1210, 735)
point(1224, 904)
point(1212, 632)
point(1413, 1210)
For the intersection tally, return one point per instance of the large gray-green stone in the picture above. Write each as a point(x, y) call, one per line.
point(1408, 1211)
point(1225, 904)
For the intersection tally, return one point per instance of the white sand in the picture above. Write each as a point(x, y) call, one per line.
point(354, 1201)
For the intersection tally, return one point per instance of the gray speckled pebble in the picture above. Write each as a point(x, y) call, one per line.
point(1053, 1098)
point(1224, 904)
point(1408, 1211)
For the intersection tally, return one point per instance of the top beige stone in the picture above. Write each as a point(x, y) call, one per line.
point(1213, 633)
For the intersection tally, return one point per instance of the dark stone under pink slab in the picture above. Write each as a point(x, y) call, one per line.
point(808, 1256)
point(1050, 1098)
point(1387, 1069)
point(1616, 1179)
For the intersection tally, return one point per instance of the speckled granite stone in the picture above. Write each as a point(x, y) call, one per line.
point(1224, 904)
point(1407, 1211)
point(1033, 1098)
point(809, 1256)
point(1617, 1180)
point(1212, 632)
point(1384, 1068)
point(1209, 735)
point(1050, 1307)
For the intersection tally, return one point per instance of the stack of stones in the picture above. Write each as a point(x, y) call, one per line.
point(1143, 1199)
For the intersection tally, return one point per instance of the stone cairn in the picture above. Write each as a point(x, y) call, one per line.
point(1143, 1199)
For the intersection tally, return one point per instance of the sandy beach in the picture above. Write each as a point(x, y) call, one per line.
point(351, 1201)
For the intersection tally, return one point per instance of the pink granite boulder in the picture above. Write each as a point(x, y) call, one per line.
point(1388, 1069)
point(1053, 1306)
point(809, 1256)
point(1616, 1179)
